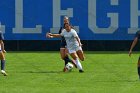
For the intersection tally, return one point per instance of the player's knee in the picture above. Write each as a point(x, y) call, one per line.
point(82, 59)
point(75, 58)
point(2, 58)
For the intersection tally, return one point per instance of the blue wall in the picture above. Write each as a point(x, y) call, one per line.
point(83, 14)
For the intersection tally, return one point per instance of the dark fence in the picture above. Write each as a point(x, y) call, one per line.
point(53, 45)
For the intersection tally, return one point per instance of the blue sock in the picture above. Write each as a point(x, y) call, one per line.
point(139, 71)
point(2, 64)
point(68, 59)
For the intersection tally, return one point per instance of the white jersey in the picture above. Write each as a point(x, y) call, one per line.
point(71, 41)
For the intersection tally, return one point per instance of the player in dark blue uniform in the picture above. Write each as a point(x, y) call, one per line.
point(63, 49)
point(137, 37)
point(2, 56)
point(63, 42)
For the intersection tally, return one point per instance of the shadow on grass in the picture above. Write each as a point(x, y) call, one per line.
point(110, 52)
point(43, 72)
point(32, 51)
point(117, 81)
point(86, 52)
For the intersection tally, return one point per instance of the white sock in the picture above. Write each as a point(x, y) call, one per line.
point(79, 66)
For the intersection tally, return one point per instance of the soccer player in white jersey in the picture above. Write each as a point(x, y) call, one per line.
point(2, 56)
point(63, 49)
point(73, 44)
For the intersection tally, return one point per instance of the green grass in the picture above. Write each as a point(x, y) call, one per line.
point(36, 72)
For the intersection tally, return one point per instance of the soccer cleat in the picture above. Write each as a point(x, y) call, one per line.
point(64, 69)
point(73, 62)
point(81, 71)
point(4, 73)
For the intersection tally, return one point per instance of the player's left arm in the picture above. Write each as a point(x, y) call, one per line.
point(79, 41)
point(77, 37)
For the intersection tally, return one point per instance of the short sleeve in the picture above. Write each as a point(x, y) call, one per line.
point(74, 33)
point(62, 33)
point(137, 34)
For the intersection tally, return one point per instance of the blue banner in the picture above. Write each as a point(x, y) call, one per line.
point(93, 19)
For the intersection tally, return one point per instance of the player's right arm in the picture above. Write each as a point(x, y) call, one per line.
point(133, 45)
point(50, 35)
point(56, 35)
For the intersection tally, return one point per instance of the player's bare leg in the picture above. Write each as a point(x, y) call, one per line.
point(80, 55)
point(2, 57)
point(75, 57)
point(69, 60)
point(62, 53)
point(139, 67)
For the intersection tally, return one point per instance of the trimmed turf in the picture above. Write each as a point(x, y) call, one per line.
point(36, 72)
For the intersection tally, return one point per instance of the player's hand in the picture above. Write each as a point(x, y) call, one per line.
point(48, 35)
point(130, 52)
point(4, 51)
point(80, 45)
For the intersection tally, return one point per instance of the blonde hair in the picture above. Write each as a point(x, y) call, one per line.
point(65, 17)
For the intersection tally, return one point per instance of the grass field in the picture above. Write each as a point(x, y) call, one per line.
point(36, 72)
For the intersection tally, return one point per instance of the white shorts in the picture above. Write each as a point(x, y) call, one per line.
point(74, 50)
